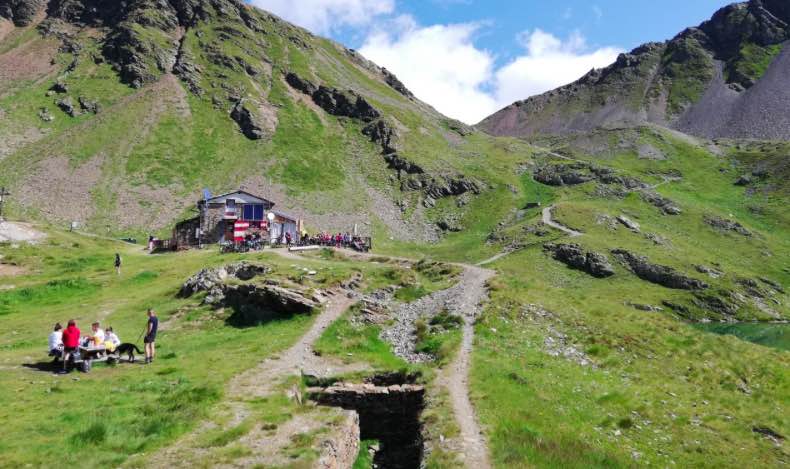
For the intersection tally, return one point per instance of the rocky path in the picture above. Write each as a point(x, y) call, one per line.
point(455, 377)
point(466, 299)
point(549, 220)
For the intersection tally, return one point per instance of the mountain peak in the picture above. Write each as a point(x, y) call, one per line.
point(727, 65)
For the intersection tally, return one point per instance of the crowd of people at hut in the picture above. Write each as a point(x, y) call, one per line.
point(253, 241)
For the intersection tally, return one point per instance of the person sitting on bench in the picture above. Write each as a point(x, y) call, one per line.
point(111, 341)
point(71, 341)
point(97, 336)
point(56, 342)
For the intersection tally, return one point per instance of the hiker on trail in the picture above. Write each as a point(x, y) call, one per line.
point(118, 263)
point(150, 336)
point(111, 341)
point(56, 342)
point(288, 238)
point(71, 341)
point(150, 243)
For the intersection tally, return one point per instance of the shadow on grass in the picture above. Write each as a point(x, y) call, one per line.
point(48, 366)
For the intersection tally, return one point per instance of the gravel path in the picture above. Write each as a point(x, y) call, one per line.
point(549, 220)
point(455, 378)
point(465, 299)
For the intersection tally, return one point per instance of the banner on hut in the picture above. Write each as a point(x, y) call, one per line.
point(240, 230)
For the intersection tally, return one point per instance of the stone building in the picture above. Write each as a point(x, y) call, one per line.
point(231, 216)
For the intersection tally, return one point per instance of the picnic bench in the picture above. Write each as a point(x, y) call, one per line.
point(90, 354)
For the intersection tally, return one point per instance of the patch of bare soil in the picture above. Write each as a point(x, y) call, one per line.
point(8, 270)
point(15, 232)
point(12, 140)
point(175, 96)
point(159, 205)
point(61, 192)
point(5, 28)
point(31, 60)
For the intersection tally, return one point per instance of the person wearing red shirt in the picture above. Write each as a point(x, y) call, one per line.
point(71, 340)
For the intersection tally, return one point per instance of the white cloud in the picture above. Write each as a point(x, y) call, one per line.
point(547, 64)
point(324, 16)
point(444, 68)
point(439, 64)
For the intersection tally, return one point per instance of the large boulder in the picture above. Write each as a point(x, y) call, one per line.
point(658, 274)
point(575, 256)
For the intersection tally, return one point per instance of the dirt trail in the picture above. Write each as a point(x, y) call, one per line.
point(471, 294)
point(260, 382)
point(264, 378)
point(549, 220)
point(455, 377)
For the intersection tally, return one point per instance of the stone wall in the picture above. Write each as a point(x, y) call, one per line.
point(213, 223)
point(340, 449)
point(389, 414)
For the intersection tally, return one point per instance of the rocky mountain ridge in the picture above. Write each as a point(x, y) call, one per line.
point(724, 78)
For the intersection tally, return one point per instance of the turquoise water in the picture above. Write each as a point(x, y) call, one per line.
point(767, 334)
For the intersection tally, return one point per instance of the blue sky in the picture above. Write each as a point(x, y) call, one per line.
point(469, 58)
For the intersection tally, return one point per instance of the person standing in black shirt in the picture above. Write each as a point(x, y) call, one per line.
point(150, 336)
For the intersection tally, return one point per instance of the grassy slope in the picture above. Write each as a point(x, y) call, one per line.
point(662, 390)
point(155, 139)
point(105, 416)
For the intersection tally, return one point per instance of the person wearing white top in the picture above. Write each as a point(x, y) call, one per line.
point(56, 341)
point(111, 340)
point(97, 335)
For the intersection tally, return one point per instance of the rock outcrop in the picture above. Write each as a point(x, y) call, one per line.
point(575, 256)
point(611, 183)
point(208, 280)
point(67, 105)
point(727, 225)
point(21, 12)
point(658, 274)
point(252, 302)
point(249, 122)
point(342, 103)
